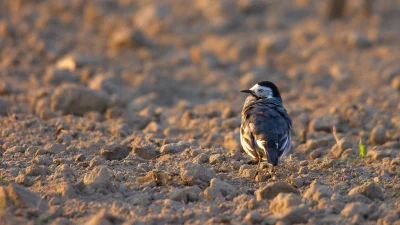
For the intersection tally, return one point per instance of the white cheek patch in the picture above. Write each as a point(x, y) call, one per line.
point(268, 90)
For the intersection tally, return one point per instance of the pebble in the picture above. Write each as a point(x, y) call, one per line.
point(227, 190)
point(56, 76)
point(338, 149)
point(271, 190)
point(19, 196)
point(317, 191)
point(283, 202)
point(355, 208)
point(57, 148)
point(213, 193)
point(76, 99)
point(378, 136)
point(4, 107)
point(370, 190)
point(253, 217)
point(98, 178)
point(35, 170)
point(115, 152)
point(190, 172)
point(145, 152)
point(201, 158)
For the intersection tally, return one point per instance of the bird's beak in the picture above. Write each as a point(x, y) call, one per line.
point(247, 91)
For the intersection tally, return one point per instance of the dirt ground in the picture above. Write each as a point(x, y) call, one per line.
point(128, 112)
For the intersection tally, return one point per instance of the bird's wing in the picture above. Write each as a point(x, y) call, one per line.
point(284, 144)
point(247, 140)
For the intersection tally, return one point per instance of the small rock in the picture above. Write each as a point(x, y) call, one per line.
point(355, 208)
point(377, 153)
point(57, 148)
point(180, 195)
point(103, 218)
point(201, 158)
point(283, 202)
point(232, 141)
point(5, 88)
point(272, 43)
point(120, 130)
point(317, 191)
point(22, 198)
point(24, 180)
point(314, 144)
point(323, 123)
point(107, 83)
point(253, 217)
point(216, 159)
point(294, 215)
point(60, 76)
point(213, 193)
point(48, 114)
point(75, 99)
point(35, 170)
point(140, 198)
point(97, 161)
point(357, 198)
point(128, 38)
point(66, 190)
point(14, 150)
point(4, 107)
point(31, 150)
point(98, 178)
point(174, 147)
point(396, 83)
point(225, 188)
point(370, 190)
point(338, 149)
point(145, 152)
point(358, 40)
point(115, 152)
point(190, 172)
point(271, 190)
point(378, 136)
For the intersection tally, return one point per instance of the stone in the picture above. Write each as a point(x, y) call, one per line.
point(47, 114)
point(227, 190)
point(5, 106)
point(314, 144)
point(378, 136)
point(105, 82)
point(338, 149)
point(190, 172)
point(57, 148)
point(22, 198)
point(56, 76)
point(35, 170)
point(180, 195)
point(78, 100)
point(201, 158)
point(323, 123)
point(145, 152)
point(128, 38)
point(173, 148)
point(232, 141)
point(396, 83)
point(96, 161)
point(370, 190)
point(271, 190)
point(66, 190)
point(284, 202)
point(377, 153)
point(213, 193)
point(253, 217)
point(24, 180)
point(272, 44)
point(216, 159)
point(98, 178)
point(140, 199)
point(14, 150)
point(295, 215)
point(317, 191)
point(355, 208)
point(103, 218)
point(5, 88)
point(115, 151)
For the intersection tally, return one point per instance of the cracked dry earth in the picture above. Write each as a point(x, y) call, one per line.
point(128, 112)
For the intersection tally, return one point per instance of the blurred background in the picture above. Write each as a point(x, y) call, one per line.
point(148, 64)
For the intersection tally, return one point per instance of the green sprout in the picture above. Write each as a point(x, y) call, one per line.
point(362, 148)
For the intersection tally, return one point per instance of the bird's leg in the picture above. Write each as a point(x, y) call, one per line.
point(258, 166)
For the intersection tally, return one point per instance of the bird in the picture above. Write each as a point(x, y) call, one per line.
point(265, 131)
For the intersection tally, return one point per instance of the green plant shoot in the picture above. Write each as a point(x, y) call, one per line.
point(362, 149)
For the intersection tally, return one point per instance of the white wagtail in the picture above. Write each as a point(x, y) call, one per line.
point(265, 133)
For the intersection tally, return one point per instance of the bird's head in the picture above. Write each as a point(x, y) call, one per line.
point(264, 89)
